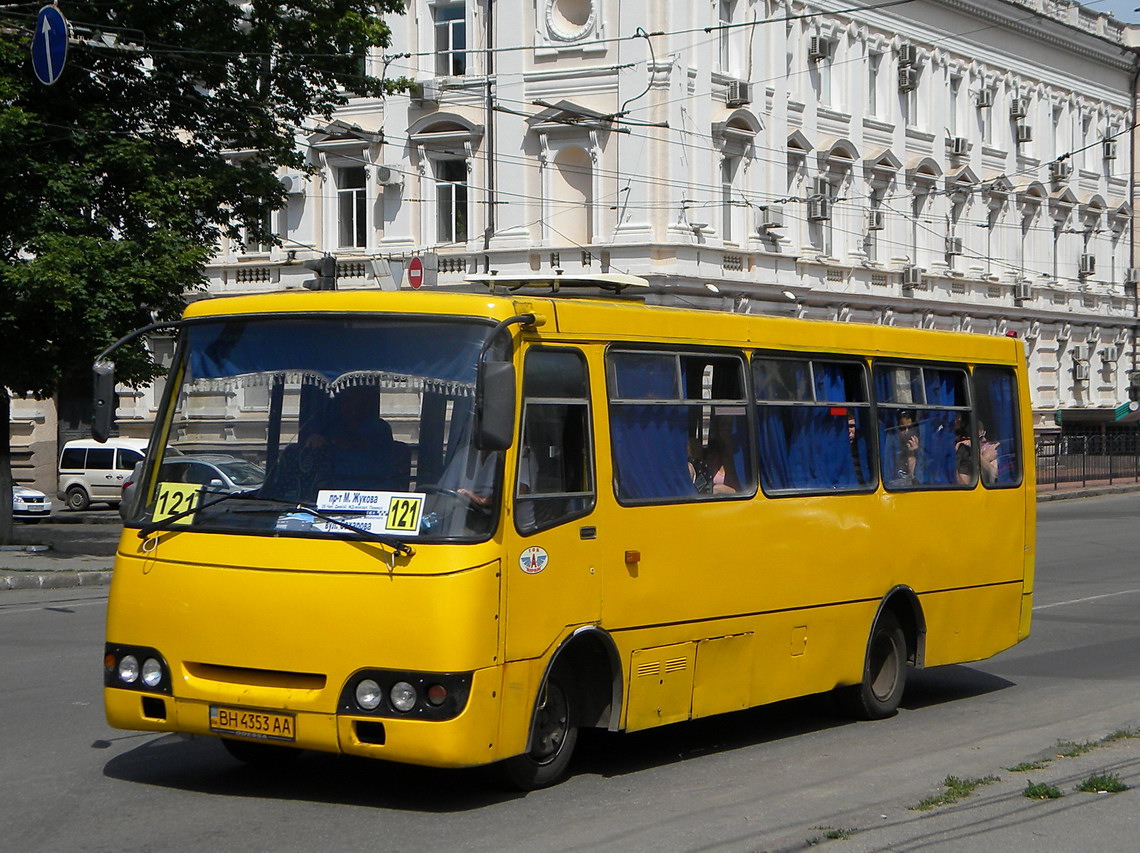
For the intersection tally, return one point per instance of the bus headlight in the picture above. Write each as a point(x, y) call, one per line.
point(129, 669)
point(151, 673)
point(402, 696)
point(121, 669)
point(368, 694)
point(405, 693)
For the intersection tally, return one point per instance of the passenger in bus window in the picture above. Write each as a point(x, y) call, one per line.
point(963, 451)
point(856, 457)
point(719, 458)
point(353, 447)
point(988, 452)
point(698, 467)
point(906, 459)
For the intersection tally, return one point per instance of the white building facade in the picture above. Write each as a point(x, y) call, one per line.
point(947, 164)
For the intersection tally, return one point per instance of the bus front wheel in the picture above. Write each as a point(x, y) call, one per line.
point(884, 673)
point(554, 734)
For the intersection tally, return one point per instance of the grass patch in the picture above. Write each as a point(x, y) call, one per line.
point(1102, 783)
point(1026, 766)
point(1121, 734)
point(829, 834)
point(1071, 749)
point(955, 789)
point(1042, 791)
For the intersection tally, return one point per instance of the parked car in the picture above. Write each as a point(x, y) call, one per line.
point(219, 472)
point(30, 505)
point(90, 471)
point(94, 472)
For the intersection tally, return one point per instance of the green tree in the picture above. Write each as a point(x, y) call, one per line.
point(117, 182)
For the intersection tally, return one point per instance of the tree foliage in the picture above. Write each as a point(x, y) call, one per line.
point(162, 134)
point(119, 179)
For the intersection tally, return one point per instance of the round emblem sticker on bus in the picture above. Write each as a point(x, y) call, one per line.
point(533, 560)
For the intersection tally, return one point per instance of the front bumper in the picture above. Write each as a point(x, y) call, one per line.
point(467, 740)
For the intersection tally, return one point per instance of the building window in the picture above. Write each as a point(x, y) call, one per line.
point(352, 207)
point(955, 92)
point(874, 224)
point(874, 66)
point(728, 167)
point(725, 9)
point(985, 117)
point(823, 66)
point(450, 23)
point(451, 201)
point(250, 240)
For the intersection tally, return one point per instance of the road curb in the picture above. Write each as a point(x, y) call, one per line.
point(54, 580)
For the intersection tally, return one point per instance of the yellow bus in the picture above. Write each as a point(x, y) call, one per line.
point(473, 523)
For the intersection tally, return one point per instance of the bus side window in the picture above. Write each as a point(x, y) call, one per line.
point(813, 425)
point(679, 426)
point(924, 415)
point(555, 478)
point(995, 398)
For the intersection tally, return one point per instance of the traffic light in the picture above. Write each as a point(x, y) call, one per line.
point(325, 268)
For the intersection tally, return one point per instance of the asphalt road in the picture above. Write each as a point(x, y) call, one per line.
point(776, 778)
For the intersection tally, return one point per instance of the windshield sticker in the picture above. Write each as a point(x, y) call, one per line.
point(374, 512)
point(533, 560)
point(174, 499)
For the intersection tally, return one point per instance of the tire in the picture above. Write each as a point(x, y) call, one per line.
point(77, 498)
point(884, 673)
point(554, 734)
point(259, 754)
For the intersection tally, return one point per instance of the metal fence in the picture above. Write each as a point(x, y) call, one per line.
point(1084, 459)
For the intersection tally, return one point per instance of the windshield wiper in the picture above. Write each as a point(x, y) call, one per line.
point(401, 548)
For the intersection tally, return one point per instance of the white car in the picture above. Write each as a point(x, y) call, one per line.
point(29, 505)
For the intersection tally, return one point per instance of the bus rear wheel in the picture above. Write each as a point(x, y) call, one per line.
point(884, 673)
point(554, 734)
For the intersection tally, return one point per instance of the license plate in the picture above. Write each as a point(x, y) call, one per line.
point(258, 724)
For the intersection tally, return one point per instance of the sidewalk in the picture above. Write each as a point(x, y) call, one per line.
point(44, 564)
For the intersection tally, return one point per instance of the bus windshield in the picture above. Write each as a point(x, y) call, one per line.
point(324, 426)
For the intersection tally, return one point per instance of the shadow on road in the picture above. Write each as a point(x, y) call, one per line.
point(202, 765)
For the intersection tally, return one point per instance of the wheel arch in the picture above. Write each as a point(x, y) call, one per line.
point(903, 603)
point(590, 656)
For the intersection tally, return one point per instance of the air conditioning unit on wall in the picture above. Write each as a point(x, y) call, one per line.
point(1024, 134)
point(911, 278)
point(818, 48)
point(1019, 107)
point(738, 93)
point(876, 221)
point(1059, 170)
point(908, 79)
point(953, 245)
point(985, 97)
point(908, 54)
point(819, 208)
point(1087, 265)
point(1109, 149)
point(958, 145)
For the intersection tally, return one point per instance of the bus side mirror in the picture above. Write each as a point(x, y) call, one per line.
point(495, 405)
point(103, 418)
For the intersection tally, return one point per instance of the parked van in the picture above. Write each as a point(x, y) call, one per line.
point(90, 472)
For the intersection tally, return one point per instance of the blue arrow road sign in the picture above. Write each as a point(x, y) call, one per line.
point(49, 45)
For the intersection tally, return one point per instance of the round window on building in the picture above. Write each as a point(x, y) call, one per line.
point(570, 20)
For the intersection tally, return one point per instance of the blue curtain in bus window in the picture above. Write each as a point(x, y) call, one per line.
point(772, 446)
point(937, 457)
point(808, 448)
point(650, 452)
point(997, 408)
point(334, 347)
point(833, 463)
point(644, 376)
